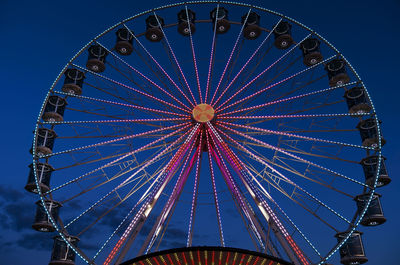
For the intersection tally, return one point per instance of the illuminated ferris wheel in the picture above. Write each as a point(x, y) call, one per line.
point(207, 132)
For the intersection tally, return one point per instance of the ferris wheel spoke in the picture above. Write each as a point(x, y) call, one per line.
point(287, 99)
point(216, 202)
point(267, 195)
point(148, 205)
point(221, 108)
point(294, 193)
point(115, 231)
point(143, 197)
point(286, 241)
point(143, 76)
point(249, 99)
point(137, 180)
point(296, 186)
point(122, 157)
point(292, 88)
point(129, 99)
point(127, 179)
point(276, 179)
point(211, 61)
point(304, 110)
point(293, 116)
point(296, 135)
point(275, 184)
point(90, 160)
point(105, 91)
point(280, 150)
point(116, 140)
point(117, 121)
point(243, 207)
point(195, 193)
point(283, 165)
point(120, 104)
point(124, 171)
point(290, 154)
point(175, 59)
point(138, 185)
point(231, 66)
point(194, 55)
point(247, 62)
point(171, 203)
point(156, 72)
point(230, 56)
point(158, 64)
point(131, 88)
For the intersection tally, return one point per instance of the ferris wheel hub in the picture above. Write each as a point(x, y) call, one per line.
point(203, 113)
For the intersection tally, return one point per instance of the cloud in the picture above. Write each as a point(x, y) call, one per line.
point(74, 205)
point(10, 194)
point(21, 215)
point(174, 234)
point(17, 213)
point(232, 212)
point(17, 210)
point(173, 244)
point(35, 241)
point(87, 246)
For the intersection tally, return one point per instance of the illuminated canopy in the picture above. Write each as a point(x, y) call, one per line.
point(206, 256)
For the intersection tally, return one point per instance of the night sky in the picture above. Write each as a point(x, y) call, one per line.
point(39, 37)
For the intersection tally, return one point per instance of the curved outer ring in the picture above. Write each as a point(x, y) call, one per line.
point(352, 227)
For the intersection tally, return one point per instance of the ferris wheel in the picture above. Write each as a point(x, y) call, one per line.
point(204, 132)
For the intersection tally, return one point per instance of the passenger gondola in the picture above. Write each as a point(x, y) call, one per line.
point(124, 45)
point(43, 174)
point(219, 17)
point(154, 26)
point(186, 20)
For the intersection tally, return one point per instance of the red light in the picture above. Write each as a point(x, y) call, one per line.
point(255, 262)
point(184, 258)
point(169, 258)
point(227, 257)
point(155, 259)
point(297, 250)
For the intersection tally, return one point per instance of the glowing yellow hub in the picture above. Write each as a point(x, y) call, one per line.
point(203, 113)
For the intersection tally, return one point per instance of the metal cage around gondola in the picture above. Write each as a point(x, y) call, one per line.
point(251, 23)
point(311, 51)
point(45, 141)
point(374, 214)
point(357, 100)
point(96, 58)
point(219, 17)
point(337, 73)
point(73, 81)
point(62, 254)
point(352, 251)
point(154, 24)
point(42, 221)
point(54, 109)
point(370, 168)
point(124, 44)
point(186, 22)
point(44, 171)
point(283, 35)
point(369, 133)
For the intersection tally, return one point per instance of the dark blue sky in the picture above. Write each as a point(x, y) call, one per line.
point(38, 38)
